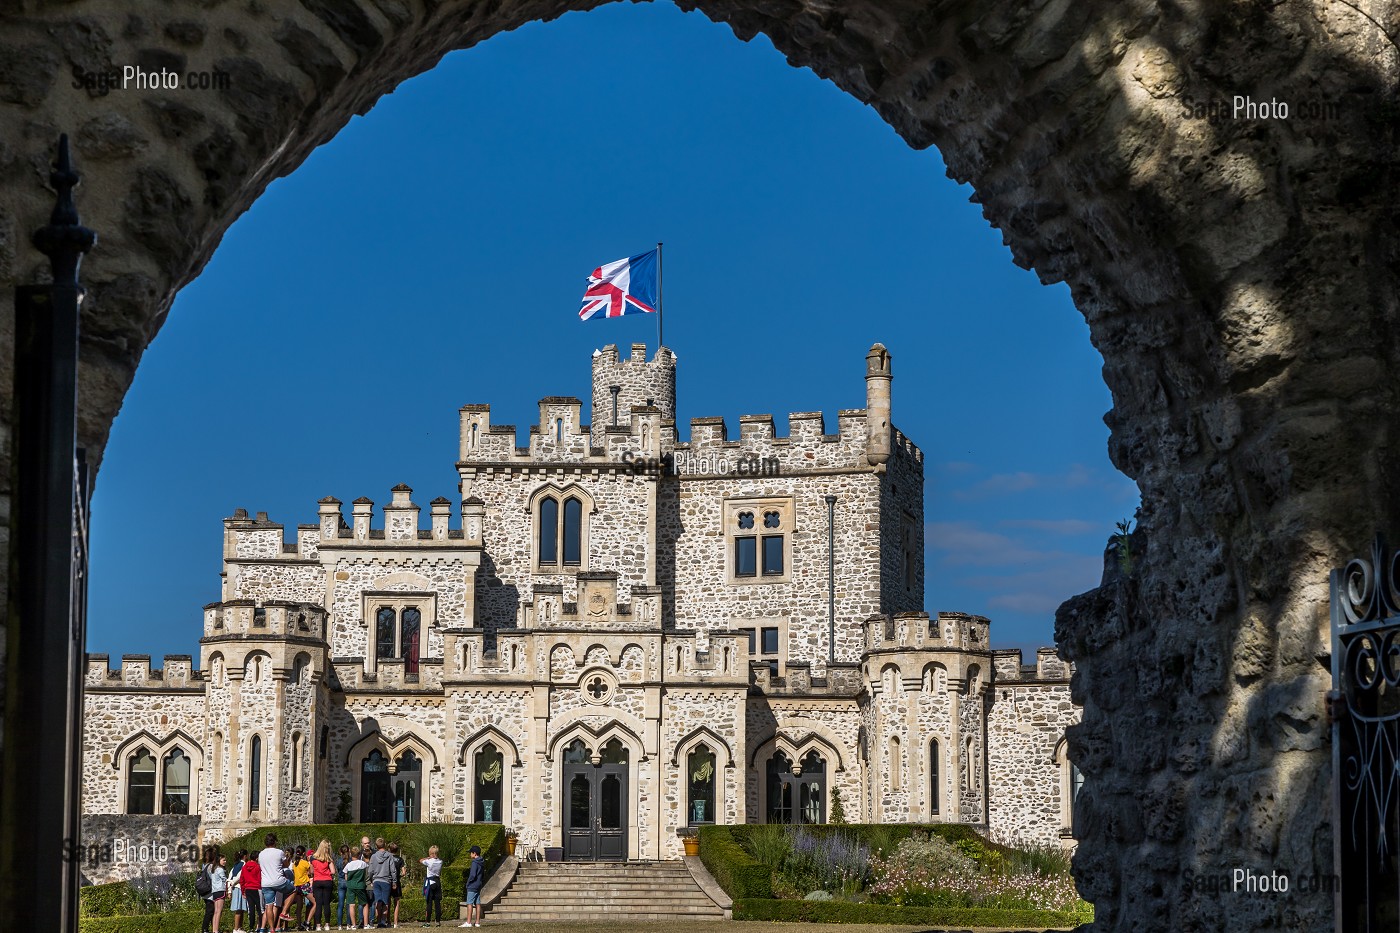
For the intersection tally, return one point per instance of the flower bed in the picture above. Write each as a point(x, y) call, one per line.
point(890, 873)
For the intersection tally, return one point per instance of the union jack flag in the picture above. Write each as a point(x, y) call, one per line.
point(627, 286)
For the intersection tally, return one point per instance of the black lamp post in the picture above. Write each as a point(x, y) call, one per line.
point(41, 765)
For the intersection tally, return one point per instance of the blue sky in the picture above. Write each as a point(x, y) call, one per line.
point(433, 254)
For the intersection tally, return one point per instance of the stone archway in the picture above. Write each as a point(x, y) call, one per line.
point(1238, 276)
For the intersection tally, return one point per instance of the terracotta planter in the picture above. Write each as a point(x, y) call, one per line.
point(692, 845)
point(510, 845)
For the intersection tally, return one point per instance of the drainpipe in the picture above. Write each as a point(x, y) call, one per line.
point(831, 579)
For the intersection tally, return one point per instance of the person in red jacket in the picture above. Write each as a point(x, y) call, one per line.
point(251, 878)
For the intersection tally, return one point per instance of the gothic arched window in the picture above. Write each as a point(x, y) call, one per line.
point(176, 797)
point(490, 769)
point(700, 779)
point(374, 788)
point(549, 530)
point(141, 783)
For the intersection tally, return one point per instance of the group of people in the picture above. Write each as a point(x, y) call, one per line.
point(265, 887)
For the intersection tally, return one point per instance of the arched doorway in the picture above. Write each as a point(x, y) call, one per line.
point(596, 791)
point(375, 792)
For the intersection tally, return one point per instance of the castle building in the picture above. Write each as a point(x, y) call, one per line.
point(611, 635)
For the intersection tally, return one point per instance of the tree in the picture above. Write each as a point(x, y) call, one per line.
point(838, 812)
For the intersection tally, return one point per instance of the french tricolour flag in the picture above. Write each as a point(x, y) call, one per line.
point(627, 286)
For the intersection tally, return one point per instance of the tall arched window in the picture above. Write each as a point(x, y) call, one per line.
point(408, 639)
point(935, 787)
point(325, 741)
point(176, 798)
point(141, 783)
point(797, 798)
point(384, 624)
point(700, 795)
point(549, 530)
point(896, 765)
point(218, 756)
point(573, 532)
point(299, 666)
point(490, 769)
point(296, 759)
point(968, 772)
point(255, 774)
point(374, 788)
point(408, 785)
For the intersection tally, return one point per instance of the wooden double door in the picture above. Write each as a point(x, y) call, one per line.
point(596, 791)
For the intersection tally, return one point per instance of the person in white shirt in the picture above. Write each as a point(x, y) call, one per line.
point(432, 885)
point(274, 885)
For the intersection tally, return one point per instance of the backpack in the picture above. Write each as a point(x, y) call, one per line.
point(204, 885)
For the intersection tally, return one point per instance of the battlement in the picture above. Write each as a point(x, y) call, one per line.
point(244, 618)
point(918, 631)
point(560, 436)
point(1048, 667)
point(256, 538)
point(177, 672)
point(401, 519)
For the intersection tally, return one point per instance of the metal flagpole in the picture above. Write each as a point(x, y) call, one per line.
point(659, 297)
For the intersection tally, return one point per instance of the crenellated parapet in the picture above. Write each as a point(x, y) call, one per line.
point(957, 631)
point(400, 527)
point(177, 672)
point(246, 618)
point(1047, 669)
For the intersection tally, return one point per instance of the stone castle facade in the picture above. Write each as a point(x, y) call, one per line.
point(611, 636)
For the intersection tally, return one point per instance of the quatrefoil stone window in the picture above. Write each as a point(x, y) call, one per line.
point(598, 687)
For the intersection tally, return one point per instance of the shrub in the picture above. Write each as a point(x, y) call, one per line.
point(835, 862)
point(838, 810)
point(733, 868)
point(834, 911)
point(926, 871)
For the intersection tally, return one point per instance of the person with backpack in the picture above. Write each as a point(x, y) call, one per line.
point(211, 885)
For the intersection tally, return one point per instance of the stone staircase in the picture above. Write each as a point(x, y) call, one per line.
point(582, 891)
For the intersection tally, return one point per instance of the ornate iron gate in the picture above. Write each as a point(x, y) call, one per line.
point(1365, 708)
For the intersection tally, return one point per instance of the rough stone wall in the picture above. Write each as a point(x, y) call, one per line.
point(836, 722)
point(1025, 726)
point(113, 715)
point(693, 556)
point(642, 382)
point(294, 582)
point(354, 574)
point(117, 847)
point(971, 773)
point(617, 538)
point(720, 712)
point(901, 503)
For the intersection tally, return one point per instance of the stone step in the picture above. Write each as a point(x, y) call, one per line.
point(557, 897)
point(646, 892)
point(573, 916)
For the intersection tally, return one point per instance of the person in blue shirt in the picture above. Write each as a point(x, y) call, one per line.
point(476, 877)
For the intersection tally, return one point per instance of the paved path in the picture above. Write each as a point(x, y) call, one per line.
point(702, 926)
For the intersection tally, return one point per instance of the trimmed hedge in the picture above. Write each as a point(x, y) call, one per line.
point(454, 839)
point(112, 908)
point(185, 921)
point(740, 874)
point(847, 912)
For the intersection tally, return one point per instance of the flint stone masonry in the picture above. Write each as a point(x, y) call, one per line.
point(117, 847)
point(624, 648)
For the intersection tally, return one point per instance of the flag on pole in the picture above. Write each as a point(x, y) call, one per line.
point(627, 286)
